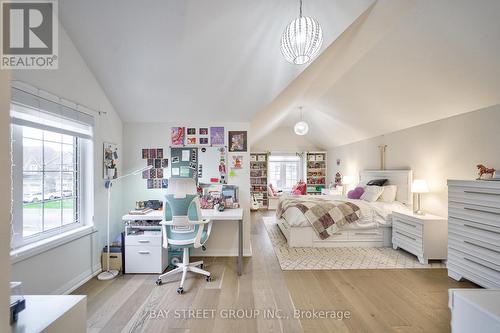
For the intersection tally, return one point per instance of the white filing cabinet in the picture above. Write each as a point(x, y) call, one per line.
point(474, 310)
point(144, 252)
point(423, 235)
point(474, 231)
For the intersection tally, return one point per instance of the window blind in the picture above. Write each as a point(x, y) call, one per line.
point(30, 110)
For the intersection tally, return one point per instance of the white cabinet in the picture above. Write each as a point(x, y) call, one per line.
point(423, 235)
point(474, 231)
point(144, 252)
point(474, 310)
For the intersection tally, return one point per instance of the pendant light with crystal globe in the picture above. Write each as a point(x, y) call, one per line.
point(302, 39)
point(301, 128)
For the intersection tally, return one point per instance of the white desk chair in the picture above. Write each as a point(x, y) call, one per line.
point(183, 227)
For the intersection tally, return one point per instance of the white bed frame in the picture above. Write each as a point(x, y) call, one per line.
point(374, 237)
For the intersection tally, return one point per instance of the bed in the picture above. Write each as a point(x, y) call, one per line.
point(373, 229)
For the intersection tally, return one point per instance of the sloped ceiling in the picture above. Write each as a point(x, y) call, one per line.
point(401, 64)
point(219, 60)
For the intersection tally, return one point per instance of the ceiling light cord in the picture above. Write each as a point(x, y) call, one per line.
point(300, 11)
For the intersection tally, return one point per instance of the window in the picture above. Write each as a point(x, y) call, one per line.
point(51, 174)
point(284, 171)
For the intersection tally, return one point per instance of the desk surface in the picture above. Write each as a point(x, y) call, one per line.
point(232, 214)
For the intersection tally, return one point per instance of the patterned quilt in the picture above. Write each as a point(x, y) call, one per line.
point(325, 215)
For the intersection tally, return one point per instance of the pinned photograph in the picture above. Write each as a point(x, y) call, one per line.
point(145, 174)
point(152, 173)
point(157, 163)
point(145, 154)
point(237, 161)
point(110, 159)
point(159, 153)
point(192, 165)
point(203, 141)
point(152, 153)
point(159, 173)
point(203, 131)
point(151, 162)
point(164, 163)
point(164, 183)
point(150, 183)
point(191, 140)
point(175, 159)
point(175, 172)
point(191, 131)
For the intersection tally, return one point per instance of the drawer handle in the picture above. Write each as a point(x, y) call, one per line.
point(366, 233)
point(481, 210)
point(143, 241)
point(480, 192)
point(403, 222)
point(406, 236)
point(477, 263)
point(481, 246)
point(478, 228)
point(144, 252)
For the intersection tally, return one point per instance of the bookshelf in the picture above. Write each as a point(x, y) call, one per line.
point(315, 172)
point(258, 178)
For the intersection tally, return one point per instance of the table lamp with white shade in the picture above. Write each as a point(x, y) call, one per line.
point(419, 186)
point(112, 273)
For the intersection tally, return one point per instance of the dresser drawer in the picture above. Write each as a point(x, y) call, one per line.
point(362, 235)
point(141, 239)
point(143, 259)
point(481, 198)
point(460, 211)
point(460, 229)
point(480, 266)
point(487, 251)
point(470, 273)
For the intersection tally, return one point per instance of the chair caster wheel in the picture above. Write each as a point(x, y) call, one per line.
point(159, 282)
point(180, 290)
point(201, 266)
point(203, 248)
point(208, 278)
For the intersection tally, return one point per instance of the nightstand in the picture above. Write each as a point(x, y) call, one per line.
point(425, 236)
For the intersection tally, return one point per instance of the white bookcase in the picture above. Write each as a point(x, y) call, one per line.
point(258, 178)
point(315, 171)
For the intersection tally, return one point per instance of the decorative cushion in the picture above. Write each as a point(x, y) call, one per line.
point(389, 193)
point(372, 193)
point(377, 182)
point(356, 193)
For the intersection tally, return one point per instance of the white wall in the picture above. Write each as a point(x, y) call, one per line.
point(6, 199)
point(283, 139)
point(60, 269)
point(437, 151)
point(136, 136)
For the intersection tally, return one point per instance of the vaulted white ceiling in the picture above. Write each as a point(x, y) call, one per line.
point(403, 63)
point(181, 60)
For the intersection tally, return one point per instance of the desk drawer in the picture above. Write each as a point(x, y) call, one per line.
point(150, 239)
point(143, 259)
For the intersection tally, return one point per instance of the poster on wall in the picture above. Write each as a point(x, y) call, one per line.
point(216, 136)
point(110, 160)
point(155, 176)
point(237, 161)
point(237, 141)
point(177, 136)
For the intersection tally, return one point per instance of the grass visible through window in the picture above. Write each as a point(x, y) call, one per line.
point(54, 204)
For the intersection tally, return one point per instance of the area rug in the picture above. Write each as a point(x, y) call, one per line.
point(305, 258)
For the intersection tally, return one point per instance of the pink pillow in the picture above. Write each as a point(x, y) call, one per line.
point(356, 193)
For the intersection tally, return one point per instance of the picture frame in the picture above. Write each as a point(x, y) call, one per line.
point(217, 136)
point(237, 141)
point(110, 160)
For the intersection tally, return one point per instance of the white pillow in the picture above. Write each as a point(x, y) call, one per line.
point(389, 193)
point(372, 193)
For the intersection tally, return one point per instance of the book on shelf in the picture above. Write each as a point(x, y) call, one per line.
point(141, 211)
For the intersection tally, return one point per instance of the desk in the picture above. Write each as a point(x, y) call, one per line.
point(235, 214)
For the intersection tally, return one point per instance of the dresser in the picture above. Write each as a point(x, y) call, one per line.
point(474, 231)
point(474, 310)
point(423, 235)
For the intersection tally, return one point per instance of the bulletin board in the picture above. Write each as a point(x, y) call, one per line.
point(184, 162)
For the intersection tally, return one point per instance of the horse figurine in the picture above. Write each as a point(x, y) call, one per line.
point(484, 172)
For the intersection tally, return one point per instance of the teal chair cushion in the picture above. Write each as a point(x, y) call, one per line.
point(182, 207)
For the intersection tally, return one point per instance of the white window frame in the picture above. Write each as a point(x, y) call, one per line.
point(283, 158)
point(85, 206)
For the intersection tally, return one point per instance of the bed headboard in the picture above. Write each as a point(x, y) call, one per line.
point(401, 178)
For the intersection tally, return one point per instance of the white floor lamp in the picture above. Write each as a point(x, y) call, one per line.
point(111, 274)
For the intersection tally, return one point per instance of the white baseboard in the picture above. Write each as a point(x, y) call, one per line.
point(78, 281)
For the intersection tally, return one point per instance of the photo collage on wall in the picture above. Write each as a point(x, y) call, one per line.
point(156, 176)
point(197, 136)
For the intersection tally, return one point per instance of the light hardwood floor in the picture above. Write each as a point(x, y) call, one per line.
point(412, 300)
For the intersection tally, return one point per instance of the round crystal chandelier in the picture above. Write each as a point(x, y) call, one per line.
point(301, 128)
point(301, 40)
